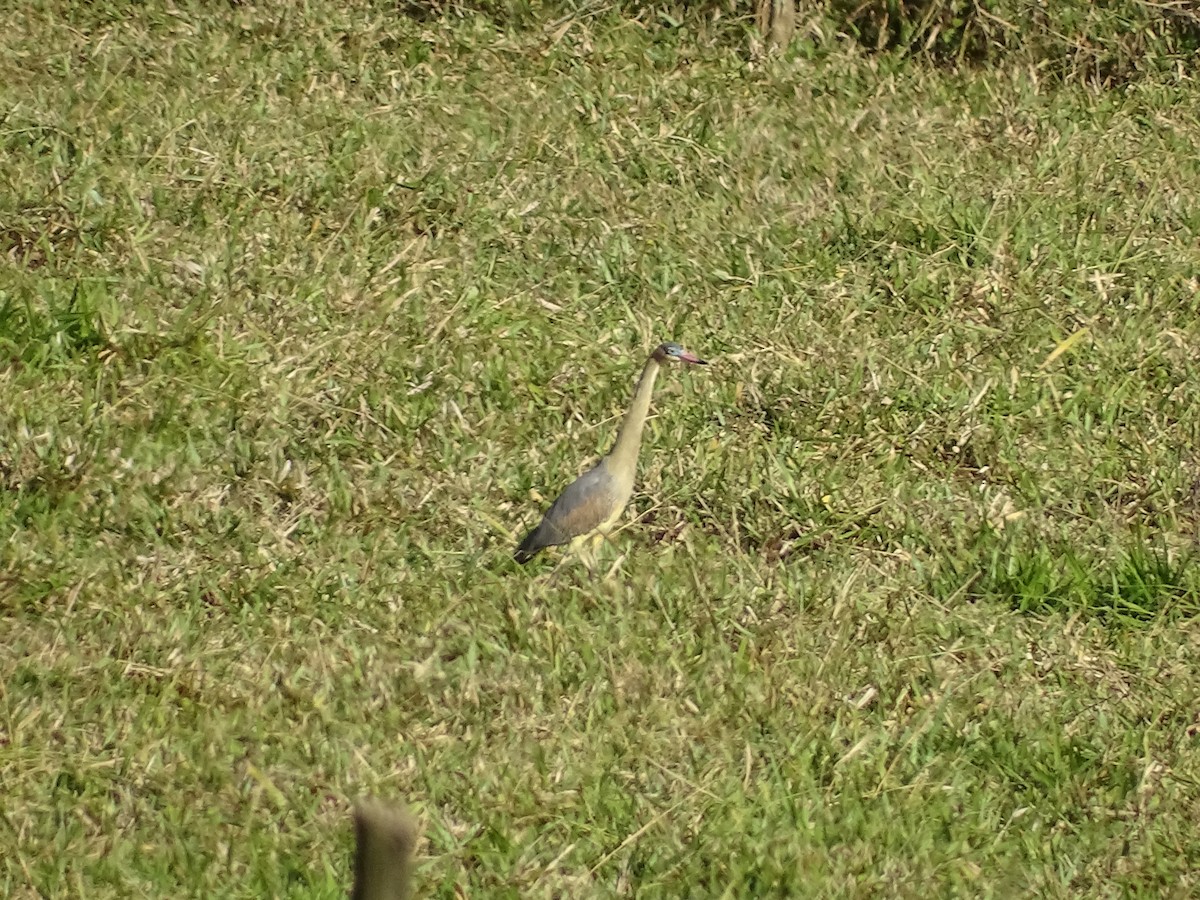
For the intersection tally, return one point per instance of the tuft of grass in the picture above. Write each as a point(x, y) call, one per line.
point(56, 332)
point(1139, 584)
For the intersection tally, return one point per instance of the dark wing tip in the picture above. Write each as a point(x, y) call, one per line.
point(528, 548)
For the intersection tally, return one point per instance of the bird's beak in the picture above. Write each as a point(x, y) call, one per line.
point(692, 358)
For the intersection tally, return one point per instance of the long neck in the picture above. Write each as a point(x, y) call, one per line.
point(623, 456)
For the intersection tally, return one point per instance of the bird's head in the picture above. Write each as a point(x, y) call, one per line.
point(670, 350)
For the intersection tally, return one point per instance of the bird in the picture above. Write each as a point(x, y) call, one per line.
point(594, 501)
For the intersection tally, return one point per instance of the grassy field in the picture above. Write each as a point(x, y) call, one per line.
point(307, 311)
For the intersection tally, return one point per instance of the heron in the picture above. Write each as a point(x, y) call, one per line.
point(591, 504)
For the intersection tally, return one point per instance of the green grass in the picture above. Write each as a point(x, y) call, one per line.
point(307, 310)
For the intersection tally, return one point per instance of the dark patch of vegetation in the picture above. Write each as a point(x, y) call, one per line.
point(1017, 567)
point(1104, 43)
point(60, 330)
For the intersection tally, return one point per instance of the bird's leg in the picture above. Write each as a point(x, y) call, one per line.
point(587, 552)
point(597, 540)
point(558, 565)
point(580, 548)
point(616, 566)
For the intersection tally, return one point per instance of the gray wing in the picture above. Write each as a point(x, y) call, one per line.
point(581, 508)
point(584, 505)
